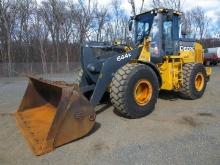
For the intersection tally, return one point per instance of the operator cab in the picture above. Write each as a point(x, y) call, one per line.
point(162, 26)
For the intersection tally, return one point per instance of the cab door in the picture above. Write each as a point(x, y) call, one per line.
point(170, 35)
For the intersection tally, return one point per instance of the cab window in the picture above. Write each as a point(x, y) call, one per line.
point(167, 44)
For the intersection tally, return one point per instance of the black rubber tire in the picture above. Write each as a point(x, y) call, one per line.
point(188, 90)
point(122, 87)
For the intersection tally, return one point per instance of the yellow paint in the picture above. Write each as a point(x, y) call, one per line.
point(171, 73)
point(171, 68)
point(143, 92)
point(117, 42)
point(187, 56)
point(145, 53)
point(208, 71)
point(128, 48)
point(199, 53)
point(199, 81)
point(196, 55)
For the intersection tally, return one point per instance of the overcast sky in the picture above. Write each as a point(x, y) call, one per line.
point(211, 7)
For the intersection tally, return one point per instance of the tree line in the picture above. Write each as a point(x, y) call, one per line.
point(54, 30)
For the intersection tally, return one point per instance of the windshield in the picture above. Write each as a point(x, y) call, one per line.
point(142, 30)
point(143, 23)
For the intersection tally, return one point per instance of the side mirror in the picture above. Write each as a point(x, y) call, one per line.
point(130, 24)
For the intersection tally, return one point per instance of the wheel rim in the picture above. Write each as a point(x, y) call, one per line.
point(143, 92)
point(199, 82)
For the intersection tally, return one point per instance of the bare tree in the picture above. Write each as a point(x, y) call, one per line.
point(200, 21)
point(172, 4)
point(66, 30)
point(133, 6)
point(187, 22)
point(142, 5)
point(109, 30)
point(116, 4)
point(7, 20)
point(124, 28)
point(24, 20)
point(40, 32)
point(216, 32)
point(102, 18)
point(83, 15)
point(53, 16)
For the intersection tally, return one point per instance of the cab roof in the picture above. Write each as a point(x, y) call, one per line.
point(160, 10)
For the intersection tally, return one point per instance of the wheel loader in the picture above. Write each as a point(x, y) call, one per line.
point(54, 113)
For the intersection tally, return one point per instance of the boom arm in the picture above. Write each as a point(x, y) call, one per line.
point(100, 72)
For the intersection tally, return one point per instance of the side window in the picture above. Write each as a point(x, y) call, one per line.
point(154, 34)
point(167, 37)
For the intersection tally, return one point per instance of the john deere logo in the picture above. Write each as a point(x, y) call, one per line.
point(183, 48)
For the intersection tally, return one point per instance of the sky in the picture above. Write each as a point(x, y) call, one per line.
point(211, 7)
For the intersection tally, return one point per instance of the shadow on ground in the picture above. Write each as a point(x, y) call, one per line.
point(169, 95)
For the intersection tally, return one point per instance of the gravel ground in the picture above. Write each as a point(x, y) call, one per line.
point(178, 132)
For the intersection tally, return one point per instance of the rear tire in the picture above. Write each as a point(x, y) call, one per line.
point(123, 92)
point(194, 81)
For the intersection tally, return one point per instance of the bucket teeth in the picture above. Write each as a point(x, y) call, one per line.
point(52, 114)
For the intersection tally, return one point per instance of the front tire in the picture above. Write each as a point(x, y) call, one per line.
point(134, 90)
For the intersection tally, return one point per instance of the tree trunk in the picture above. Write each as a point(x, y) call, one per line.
point(8, 47)
point(9, 56)
point(43, 57)
point(67, 57)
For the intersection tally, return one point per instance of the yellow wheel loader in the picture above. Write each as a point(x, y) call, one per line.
point(54, 113)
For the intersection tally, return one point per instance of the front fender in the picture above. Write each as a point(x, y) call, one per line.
point(156, 70)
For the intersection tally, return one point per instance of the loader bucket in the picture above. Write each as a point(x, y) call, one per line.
point(52, 114)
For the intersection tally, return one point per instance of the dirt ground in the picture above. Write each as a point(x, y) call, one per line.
point(178, 132)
